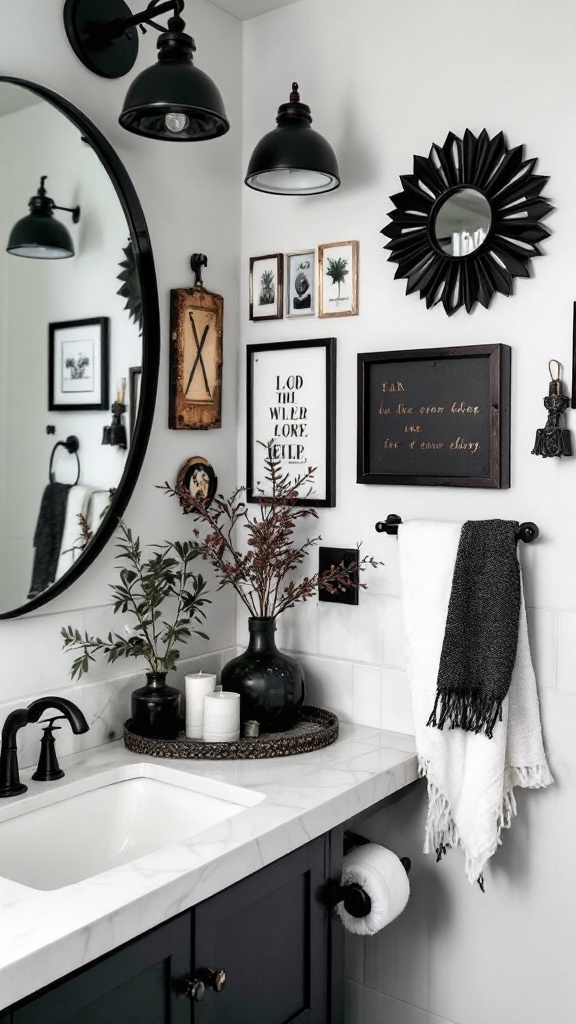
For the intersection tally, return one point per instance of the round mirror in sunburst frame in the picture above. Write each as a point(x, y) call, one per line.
point(467, 221)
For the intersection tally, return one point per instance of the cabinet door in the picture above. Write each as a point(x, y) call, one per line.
point(270, 934)
point(136, 984)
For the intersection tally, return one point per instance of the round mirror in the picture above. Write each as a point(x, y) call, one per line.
point(462, 222)
point(78, 343)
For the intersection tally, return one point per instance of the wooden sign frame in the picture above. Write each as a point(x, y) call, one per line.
point(196, 318)
point(435, 417)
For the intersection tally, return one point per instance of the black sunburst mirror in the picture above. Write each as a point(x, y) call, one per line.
point(467, 221)
point(130, 288)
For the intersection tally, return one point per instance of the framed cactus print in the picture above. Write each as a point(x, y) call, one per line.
point(266, 287)
point(338, 279)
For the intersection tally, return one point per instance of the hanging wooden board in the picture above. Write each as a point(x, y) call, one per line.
point(196, 318)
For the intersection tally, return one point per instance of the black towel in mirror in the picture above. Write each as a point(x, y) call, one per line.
point(48, 537)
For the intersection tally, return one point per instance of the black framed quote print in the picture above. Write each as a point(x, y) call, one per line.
point(291, 403)
point(435, 417)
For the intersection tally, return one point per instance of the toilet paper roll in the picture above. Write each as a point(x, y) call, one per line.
point(382, 875)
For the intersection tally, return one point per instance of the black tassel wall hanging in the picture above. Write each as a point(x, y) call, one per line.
point(553, 439)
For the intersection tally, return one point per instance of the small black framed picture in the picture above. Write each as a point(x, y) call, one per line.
point(266, 287)
point(78, 365)
point(291, 402)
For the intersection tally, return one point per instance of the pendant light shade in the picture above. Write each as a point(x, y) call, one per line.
point(39, 235)
point(172, 100)
point(293, 159)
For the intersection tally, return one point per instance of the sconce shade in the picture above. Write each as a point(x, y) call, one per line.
point(293, 159)
point(39, 235)
point(172, 100)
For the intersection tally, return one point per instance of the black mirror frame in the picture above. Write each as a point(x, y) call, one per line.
point(150, 337)
point(510, 187)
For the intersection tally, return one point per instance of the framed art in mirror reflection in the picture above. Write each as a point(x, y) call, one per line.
point(78, 364)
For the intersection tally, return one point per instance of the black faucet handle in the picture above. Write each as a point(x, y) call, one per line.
point(48, 722)
point(48, 768)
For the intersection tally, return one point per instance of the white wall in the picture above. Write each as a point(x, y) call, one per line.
point(191, 200)
point(384, 81)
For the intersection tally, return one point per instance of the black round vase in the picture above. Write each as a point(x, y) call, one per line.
point(270, 684)
point(156, 709)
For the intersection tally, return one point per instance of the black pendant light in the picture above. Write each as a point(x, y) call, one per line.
point(293, 159)
point(172, 100)
point(39, 236)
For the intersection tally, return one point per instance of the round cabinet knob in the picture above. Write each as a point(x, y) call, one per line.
point(212, 979)
point(193, 988)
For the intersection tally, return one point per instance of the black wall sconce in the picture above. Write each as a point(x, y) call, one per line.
point(115, 434)
point(293, 159)
point(39, 236)
point(171, 100)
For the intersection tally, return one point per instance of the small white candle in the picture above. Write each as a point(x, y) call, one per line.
point(221, 717)
point(197, 684)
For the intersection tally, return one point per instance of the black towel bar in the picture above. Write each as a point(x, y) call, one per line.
point(526, 531)
point(71, 444)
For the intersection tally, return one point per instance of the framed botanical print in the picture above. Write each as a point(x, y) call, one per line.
point(291, 402)
point(196, 317)
point(266, 287)
point(301, 283)
point(78, 365)
point(338, 279)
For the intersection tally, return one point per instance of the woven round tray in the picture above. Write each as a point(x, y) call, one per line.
point(317, 728)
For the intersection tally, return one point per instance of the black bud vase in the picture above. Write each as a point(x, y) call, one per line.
point(156, 709)
point(270, 684)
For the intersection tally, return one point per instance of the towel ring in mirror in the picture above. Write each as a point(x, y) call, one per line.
point(467, 221)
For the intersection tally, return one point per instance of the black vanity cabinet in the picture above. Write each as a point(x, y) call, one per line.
point(260, 952)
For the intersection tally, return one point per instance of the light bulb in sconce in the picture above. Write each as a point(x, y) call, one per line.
point(176, 123)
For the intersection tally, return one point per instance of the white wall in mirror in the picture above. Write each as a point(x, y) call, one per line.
point(190, 195)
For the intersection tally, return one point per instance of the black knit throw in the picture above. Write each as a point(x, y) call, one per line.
point(481, 636)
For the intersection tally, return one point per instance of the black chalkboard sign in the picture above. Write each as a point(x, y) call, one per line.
point(435, 416)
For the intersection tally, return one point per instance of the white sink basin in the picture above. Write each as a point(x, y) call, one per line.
point(79, 829)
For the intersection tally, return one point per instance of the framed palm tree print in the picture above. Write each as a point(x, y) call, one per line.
point(338, 279)
point(266, 287)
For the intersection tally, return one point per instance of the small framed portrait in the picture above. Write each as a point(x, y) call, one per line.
point(78, 365)
point(301, 283)
point(197, 480)
point(338, 279)
point(266, 287)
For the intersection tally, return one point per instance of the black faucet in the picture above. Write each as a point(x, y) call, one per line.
point(10, 784)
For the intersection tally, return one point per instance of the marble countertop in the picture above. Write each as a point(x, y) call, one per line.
point(46, 934)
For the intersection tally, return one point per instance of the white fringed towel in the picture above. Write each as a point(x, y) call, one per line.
point(470, 778)
point(383, 876)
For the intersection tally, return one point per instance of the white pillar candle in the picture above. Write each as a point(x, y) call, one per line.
point(221, 717)
point(197, 684)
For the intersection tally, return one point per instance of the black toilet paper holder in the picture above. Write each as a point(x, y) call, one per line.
point(356, 900)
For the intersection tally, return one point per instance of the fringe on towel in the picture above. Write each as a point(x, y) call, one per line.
point(466, 709)
point(441, 829)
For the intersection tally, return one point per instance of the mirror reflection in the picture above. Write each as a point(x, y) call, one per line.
point(462, 222)
point(68, 351)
